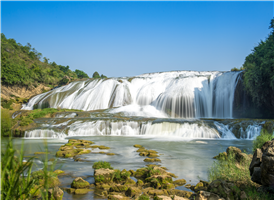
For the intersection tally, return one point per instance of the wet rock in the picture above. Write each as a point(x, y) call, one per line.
point(58, 171)
point(203, 195)
point(103, 175)
point(164, 197)
point(103, 147)
point(143, 153)
point(141, 173)
point(132, 172)
point(56, 193)
point(70, 190)
point(79, 183)
point(179, 182)
point(180, 193)
point(157, 192)
point(139, 183)
point(152, 160)
point(179, 198)
point(133, 192)
point(138, 146)
point(111, 154)
point(152, 155)
point(256, 175)
point(117, 197)
point(118, 188)
point(81, 191)
point(224, 189)
point(152, 151)
point(142, 149)
point(129, 181)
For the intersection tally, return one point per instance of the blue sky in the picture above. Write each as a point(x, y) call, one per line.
point(132, 38)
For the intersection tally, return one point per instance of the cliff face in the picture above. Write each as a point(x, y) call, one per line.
point(8, 92)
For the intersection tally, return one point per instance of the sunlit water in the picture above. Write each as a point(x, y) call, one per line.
point(187, 159)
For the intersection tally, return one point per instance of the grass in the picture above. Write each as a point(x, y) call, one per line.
point(231, 170)
point(102, 164)
point(261, 139)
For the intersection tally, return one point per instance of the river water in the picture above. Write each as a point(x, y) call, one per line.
point(188, 159)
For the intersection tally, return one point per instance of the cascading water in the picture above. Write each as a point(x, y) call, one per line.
point(182, 94)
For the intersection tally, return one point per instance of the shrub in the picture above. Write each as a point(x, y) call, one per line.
point(102, 164)
point(25, 122)
point(261, 139)
point(143, 197)
point(5, 122)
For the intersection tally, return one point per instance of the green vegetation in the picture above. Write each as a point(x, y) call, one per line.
point(102, 164)
point(236, 69)
point(143, 197)
point(261, 139)
point(96, 75)
point(238, 173)
point(259, 72)
point(21, 65)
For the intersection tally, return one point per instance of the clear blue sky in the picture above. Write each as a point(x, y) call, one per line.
point(132, 38)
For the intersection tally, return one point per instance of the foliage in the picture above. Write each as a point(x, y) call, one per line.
point(7, 104)
point(102, 164)
point(5, 122)
point(96, 75)
point(25, 122)
point(13, 184)
point(21, 65)
point(261, 139)
point(259, 71)
point(80, 74)
point(143, 197)
point(231, 170)
point(236, 69)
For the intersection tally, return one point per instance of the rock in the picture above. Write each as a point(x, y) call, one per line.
point(118, 188)
point(180, 193)
point(203, 195)
point(103, 175)
point(129, 181)
point(267, 167)
point(156, 192)
point(243, 195)
point(133, 192)
point(111, 154)
point(140, 173)
point(103, 147)
point(105, 187)
point(179, 198)
point(142, 149)
point(224, 189)
point(56, 193)
point(138, 146)
point(58, 171)
point(172, 175)
point(152, 160)
point(164, 197)
point(81, 191)
point(198, 185)
point(256, 160)
point(234, 151)
point(221, 156)
point(70, 190)
point(152, 155)
point(79, 183)
point(117, 197)
point(256, 175)
point(143, 153)
point(140, 183)
point(152, 151)
point(132, 172)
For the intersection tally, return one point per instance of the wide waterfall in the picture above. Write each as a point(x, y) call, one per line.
point(179, 94)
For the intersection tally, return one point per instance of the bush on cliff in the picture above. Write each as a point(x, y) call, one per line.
point(261, 139)
point(259, 72)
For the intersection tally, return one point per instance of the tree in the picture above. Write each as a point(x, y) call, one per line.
point(96, 75)
point(81, 74)
point(46, 60)
point(259, 72)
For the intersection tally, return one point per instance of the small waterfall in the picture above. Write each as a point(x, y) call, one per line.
point(251, 132)
point(181, 94)
point(46, 133)
point(225, 131)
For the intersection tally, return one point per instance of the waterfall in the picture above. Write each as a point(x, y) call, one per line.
point(179, 94)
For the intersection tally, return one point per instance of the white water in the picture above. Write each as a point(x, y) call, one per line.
point(182, 94)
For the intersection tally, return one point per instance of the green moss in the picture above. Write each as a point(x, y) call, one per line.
point(101, 164)
point(143, 197)
point(261, 139)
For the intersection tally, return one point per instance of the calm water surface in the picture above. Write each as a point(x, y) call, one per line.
point(187, 159)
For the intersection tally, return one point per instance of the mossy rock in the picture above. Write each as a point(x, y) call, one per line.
point(35, 191)
point(52, 181)
point(103, 147)
point(138, 146)
point(94, 146)
point(139, 183)
point(133, 192)
point(132, 172)
point(167, 186)
point(143, 153)
point(129, 181)
point(84, 151)
point(141, 173)
point(152, 151)
point(152, 160)
point(70, 190)
point(82, 191)
point(118, 188)
point(111, 154)
point(221, 156)
point(103, 176)
point(102, 152)
point(180, 193)
point(172, 175)
point(58, 171)
point(152, 155)
point(179, 182)
point(79, 183)
point(142, 150)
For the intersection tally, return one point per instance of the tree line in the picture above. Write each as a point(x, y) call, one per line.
point(22, 65)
